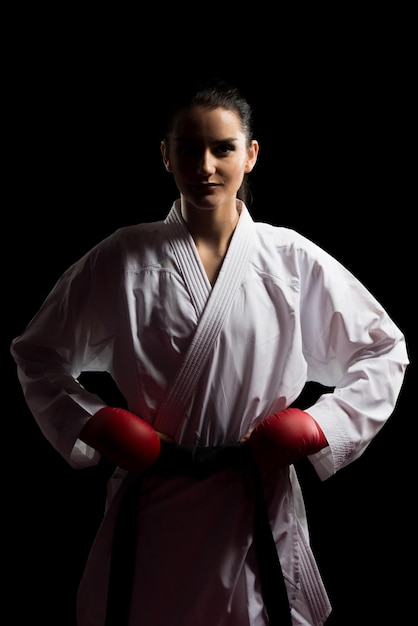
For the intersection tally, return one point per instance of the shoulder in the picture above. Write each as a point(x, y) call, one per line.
point(287, 242)
point(292, 257)
point(133, 234)
point(141, 244)
point(284, 237)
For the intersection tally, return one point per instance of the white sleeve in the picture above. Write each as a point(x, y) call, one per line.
point(352, 346)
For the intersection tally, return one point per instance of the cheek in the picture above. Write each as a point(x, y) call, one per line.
point(182, 168)
point(238, 171)
point(181, 178)
point(179, 172)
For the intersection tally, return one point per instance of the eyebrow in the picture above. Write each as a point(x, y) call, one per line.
point(189, 140)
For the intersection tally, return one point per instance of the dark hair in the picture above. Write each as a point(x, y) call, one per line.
point(212, 93)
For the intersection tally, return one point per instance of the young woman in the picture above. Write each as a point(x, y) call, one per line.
point(210, 324)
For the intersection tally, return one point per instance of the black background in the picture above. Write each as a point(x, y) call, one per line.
point(333, 108)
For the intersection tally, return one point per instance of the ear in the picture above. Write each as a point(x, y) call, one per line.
point(252, 155)
point(164, 152)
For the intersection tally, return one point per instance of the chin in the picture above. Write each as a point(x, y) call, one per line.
point(203, 204)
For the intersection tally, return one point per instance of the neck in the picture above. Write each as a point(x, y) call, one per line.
point(211, 227)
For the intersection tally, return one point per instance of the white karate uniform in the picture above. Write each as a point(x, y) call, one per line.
point(131, 307)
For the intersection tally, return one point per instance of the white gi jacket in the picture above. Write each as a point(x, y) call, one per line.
point(131, 307)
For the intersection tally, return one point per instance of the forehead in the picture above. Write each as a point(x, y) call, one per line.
point(199, 122)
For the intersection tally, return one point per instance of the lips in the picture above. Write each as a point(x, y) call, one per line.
point(205, 186)
point(205, 189)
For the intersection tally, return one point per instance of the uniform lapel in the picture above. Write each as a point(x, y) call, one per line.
point(213, 306)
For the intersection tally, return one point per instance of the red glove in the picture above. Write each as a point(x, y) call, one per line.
point(123, 438)
point(285, 437)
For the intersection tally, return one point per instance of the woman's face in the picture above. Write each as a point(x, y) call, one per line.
point(208, 156)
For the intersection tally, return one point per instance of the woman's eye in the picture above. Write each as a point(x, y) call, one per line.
point(190, 150)
point(187, 150)
point(224, 148)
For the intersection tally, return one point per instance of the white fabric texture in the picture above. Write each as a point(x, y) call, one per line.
point(130, 307)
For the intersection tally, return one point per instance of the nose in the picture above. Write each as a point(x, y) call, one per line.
point(207, 163)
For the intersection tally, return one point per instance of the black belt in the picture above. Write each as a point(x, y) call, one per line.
point(200, 462)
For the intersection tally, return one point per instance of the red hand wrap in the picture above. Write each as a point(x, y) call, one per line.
point(122, 437)
point(285, 437)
